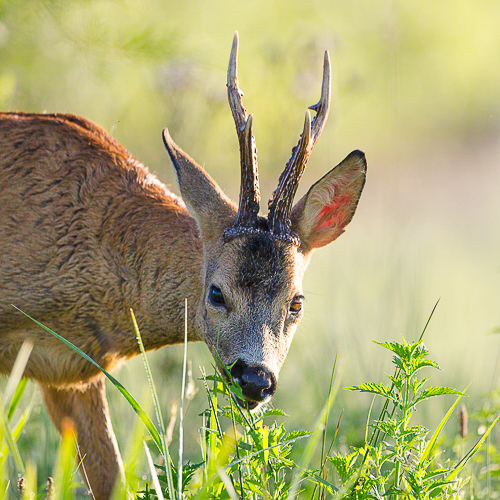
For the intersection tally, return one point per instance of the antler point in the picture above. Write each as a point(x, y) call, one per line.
point(307, 125)
point(247, 128)
point(249, 189)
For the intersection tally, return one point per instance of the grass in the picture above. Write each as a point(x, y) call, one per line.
point(427, 223)
point(252, 455)
point(426, 226)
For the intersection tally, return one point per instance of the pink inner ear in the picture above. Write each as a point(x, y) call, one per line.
point(333, 214)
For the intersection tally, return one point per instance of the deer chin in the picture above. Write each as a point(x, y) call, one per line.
point(251, 405)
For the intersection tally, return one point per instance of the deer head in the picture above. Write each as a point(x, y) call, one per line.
point(251, 301)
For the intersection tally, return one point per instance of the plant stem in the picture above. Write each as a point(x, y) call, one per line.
point(181, 409)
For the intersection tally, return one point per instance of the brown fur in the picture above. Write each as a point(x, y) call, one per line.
point(87, 234)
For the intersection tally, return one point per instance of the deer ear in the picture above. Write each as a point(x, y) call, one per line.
point(209, 206)
point(322, 214)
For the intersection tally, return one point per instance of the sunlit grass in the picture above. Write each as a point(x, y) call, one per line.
point(251, 455)
point(410, 79)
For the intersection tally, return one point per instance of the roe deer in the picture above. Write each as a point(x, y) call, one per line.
point(87, 234)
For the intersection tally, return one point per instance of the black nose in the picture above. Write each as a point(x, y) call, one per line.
point(256, 382)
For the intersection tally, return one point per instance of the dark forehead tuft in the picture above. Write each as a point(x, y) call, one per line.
point(264, 261)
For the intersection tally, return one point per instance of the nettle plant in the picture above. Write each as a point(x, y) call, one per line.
point(398, 461)
point(245, 458)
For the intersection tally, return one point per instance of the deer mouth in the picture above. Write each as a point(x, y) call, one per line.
point(245, 403)
point(257, 384)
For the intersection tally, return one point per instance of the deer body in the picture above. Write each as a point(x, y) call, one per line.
point(87, 233)
point(83, 241)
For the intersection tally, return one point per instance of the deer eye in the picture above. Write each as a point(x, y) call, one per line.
point(296, 305)
point(216, 296)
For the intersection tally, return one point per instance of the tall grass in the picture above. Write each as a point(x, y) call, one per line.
point(252, 455)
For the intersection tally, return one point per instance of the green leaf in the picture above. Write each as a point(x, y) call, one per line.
point(415, 384)
point(297, 434)
point(164, 446)
point(418, 349)
point(345, 463)
point(436, 391)
point(319, 481)
point(387, 426)
point(255, 486)
point(401, 350)
point(417, 430)
point(255, 453)
point(373, 388)
point(417, 364)
point(275, 412)
point(435, 472)
point(401, 365)
point(397, 380)
point(436, 488)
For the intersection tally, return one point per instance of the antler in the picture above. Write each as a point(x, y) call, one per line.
point(248, 208)
point(280, 204)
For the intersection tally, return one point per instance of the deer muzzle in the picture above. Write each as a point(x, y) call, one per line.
point(258, 384)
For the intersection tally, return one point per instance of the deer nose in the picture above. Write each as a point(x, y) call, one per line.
point(256, 382)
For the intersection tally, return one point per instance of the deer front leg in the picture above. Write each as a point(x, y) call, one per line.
point(88, 409)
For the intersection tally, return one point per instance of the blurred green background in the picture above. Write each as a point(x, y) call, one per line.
point(416, 86)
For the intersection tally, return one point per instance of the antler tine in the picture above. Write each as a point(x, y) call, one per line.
point(322, 107)
point(233, 91)
point(249, 190)
point(280, 204)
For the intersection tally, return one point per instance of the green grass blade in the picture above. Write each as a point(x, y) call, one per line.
point(156, 402)
point(316, 435)
point(154, 476)
point(429, 319)
point(132, 461)
point(30, 486)
point(130, 399)
point(18, 393)
point(325, 425)
point(17, 371)
point(13, 392)
point(6, 434)
point(214, 426)
point(181, 409)
point(18, 428)
point(236, 447)
point(471, 453)
point(227, 483)
point(149, 376)
point(65, 464)
point(430, 444)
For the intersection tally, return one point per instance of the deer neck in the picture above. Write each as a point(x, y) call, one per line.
point(156, 257)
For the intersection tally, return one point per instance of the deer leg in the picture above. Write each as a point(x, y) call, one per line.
point(88, 409)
